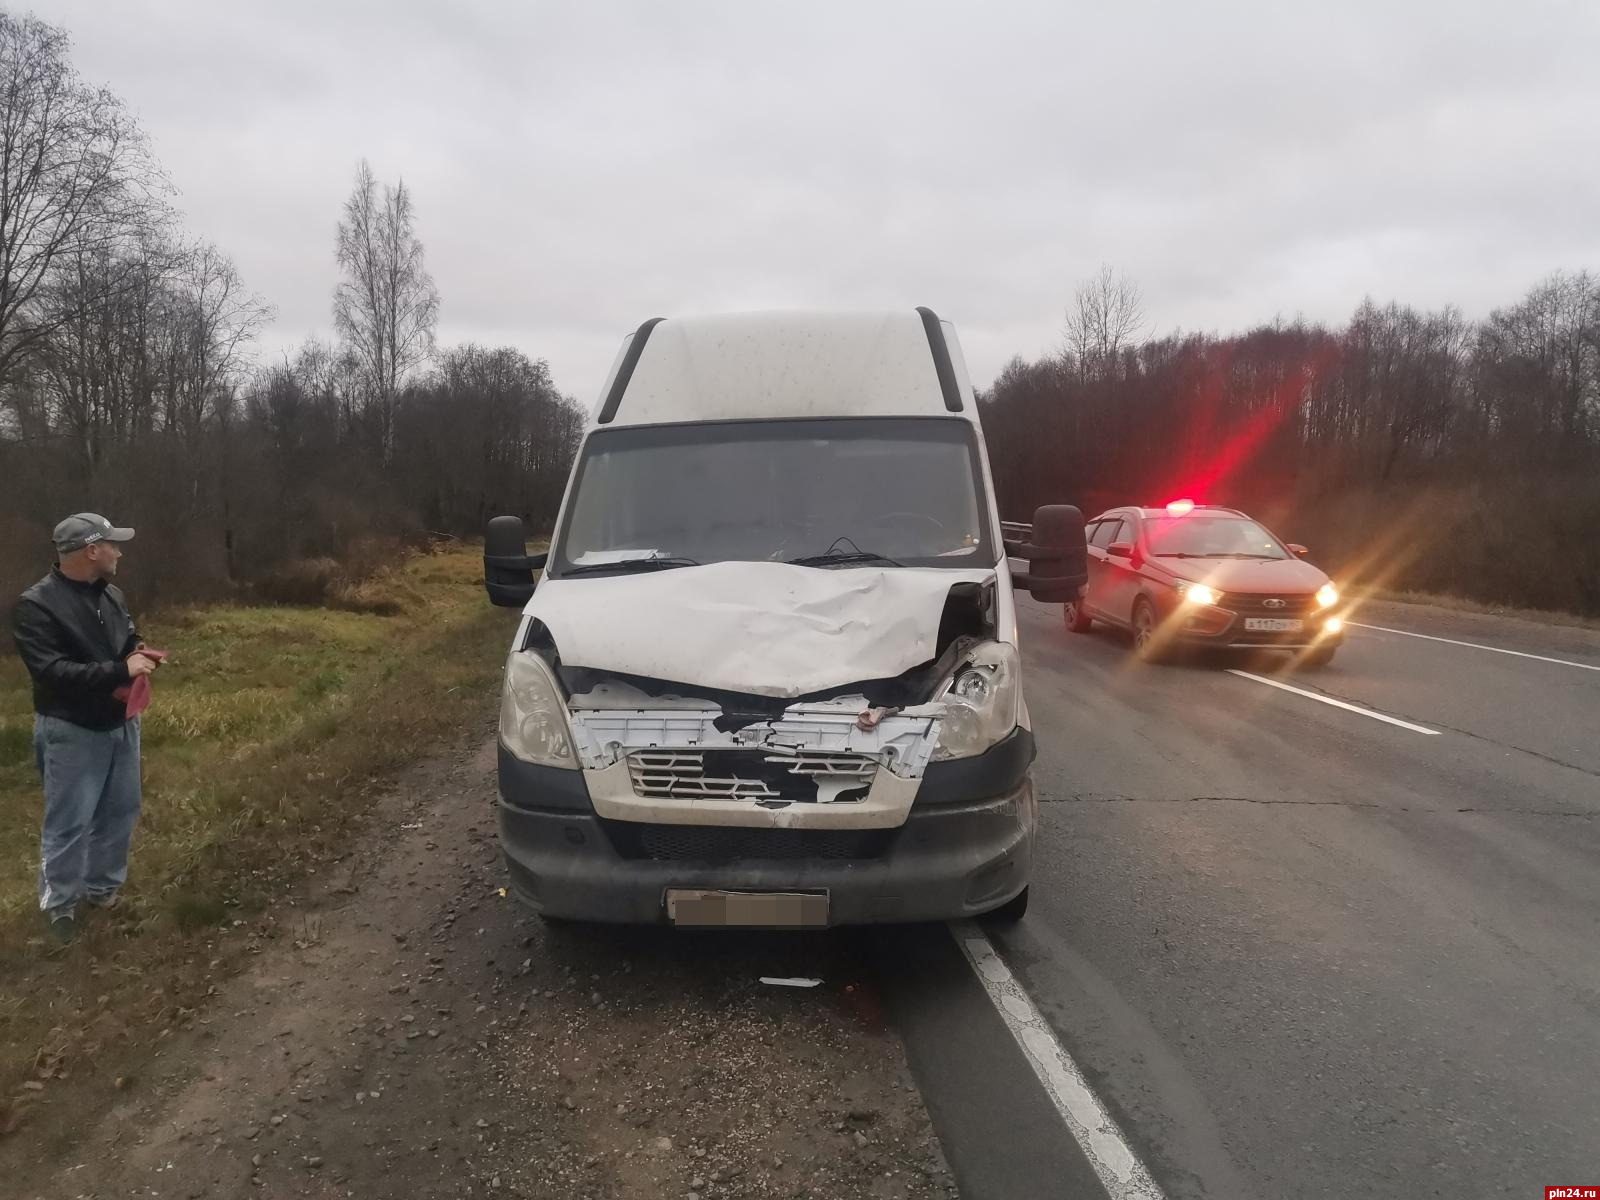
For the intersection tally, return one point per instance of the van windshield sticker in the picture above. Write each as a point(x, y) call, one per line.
point(596, 558)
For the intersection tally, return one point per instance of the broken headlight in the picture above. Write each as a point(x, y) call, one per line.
point(533, 715)
point(980, 703)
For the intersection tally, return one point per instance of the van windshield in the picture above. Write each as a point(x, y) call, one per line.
point(839, 492)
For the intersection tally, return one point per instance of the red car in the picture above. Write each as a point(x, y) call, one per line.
point(1195, 575)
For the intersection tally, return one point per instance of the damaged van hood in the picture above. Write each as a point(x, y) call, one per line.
point(765, 629)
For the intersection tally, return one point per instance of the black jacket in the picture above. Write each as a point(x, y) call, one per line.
point(75, 638)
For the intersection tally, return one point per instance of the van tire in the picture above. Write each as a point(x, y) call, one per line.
point(1012, 911)
point(1320, 658)
point(1075, 617)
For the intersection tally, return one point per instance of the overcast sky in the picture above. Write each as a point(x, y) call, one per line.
point(578, 167)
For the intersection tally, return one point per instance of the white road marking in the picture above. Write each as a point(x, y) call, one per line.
point(1565, 662)
point(1123, 1175)
point(1355, 708)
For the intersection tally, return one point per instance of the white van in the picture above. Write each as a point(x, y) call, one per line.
point(770, 675)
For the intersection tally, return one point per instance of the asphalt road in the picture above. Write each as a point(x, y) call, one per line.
point(1298, 951)
point(1295, 951)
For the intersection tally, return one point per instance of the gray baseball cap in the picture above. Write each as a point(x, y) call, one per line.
point(85, 529)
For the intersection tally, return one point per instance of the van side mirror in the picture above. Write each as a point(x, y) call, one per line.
point(1297, 548)
point(1058, 556)
point(1120, 550)
point(507, 566)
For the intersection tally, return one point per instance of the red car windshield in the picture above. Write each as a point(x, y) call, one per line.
point(1210, 535)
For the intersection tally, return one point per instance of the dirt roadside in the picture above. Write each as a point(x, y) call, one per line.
point(404, 1030)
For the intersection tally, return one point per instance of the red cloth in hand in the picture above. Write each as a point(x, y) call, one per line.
point(137, 694)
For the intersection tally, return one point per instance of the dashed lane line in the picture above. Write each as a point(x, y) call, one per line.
point(1320, 698)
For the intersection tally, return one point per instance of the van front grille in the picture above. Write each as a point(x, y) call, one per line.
point(750, 775)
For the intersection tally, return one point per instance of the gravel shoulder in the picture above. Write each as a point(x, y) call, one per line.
point(405, 1030)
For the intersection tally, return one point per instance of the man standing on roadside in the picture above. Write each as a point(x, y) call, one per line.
point(80, 645)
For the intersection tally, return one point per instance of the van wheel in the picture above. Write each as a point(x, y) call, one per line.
point(1076, 619)
point(1144, 631)
point(1320, 658)
point(1013, 910)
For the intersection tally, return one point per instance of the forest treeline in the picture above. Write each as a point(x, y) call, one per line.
point(1410, 449)
point(131, 382)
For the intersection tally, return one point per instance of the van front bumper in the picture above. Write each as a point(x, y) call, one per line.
point(966, 848)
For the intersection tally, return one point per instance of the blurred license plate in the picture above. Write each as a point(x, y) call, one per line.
point(766, 910)
point(1273, 625)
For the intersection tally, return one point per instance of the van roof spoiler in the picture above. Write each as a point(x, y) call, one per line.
point(941, 358)
point(942, 365)
point(608, 410)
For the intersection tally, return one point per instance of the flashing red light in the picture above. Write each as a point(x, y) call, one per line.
point(1180, 508)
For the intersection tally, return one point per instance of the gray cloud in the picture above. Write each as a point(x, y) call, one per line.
point(578, 167)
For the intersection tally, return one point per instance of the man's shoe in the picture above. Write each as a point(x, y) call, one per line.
point(109, 900)
point(63, 928)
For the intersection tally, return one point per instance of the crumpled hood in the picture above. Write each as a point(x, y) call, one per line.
point(768, 629)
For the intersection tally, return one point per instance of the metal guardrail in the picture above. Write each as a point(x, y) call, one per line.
point(1017, 538)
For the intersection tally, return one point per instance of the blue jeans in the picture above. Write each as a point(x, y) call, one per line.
point(91, 802)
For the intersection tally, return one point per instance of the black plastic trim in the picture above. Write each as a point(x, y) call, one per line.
point(941, 359)
point(712, 845)
point(995, 772)
point(534, 788)
point(518, 562)
point(625, 372)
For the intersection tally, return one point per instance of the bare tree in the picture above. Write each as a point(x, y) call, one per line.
point(386, 306)
point(217, 318)
point(126, 383)
point(1107, 314)
point(1539, 365)
point(75, 178)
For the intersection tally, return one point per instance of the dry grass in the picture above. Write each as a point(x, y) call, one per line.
point(364, 584)
point(1508, 540)
point(1457, 604)
point(272, 728)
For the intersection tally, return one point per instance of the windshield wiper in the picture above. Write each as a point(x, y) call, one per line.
point(1180, 554)
point(629, 565)
point(839, 557)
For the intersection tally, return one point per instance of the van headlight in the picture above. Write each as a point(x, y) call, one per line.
point(980, 703)
point(533, 716)
point(1327, 596)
